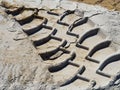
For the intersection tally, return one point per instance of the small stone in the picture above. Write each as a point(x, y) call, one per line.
point(79, 12)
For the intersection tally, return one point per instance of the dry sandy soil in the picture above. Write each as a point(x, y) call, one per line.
point(36, 56)
point(110, 4)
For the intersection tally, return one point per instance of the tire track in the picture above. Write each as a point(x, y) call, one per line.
point(76, 50)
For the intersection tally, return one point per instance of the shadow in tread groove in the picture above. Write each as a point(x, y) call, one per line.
point(96, 48)
point(14, 11)
point(45, 56)
point(76, 76)
point(65, 14)
point(35, 29)
point(75, 24)
point(63, 64)
point(88, 34)
point(113, 58)
point(46, 39)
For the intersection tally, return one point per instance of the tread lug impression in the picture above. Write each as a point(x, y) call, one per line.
point(77, 51)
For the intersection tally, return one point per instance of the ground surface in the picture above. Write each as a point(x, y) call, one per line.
point(110, 4)
point(34, 55)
